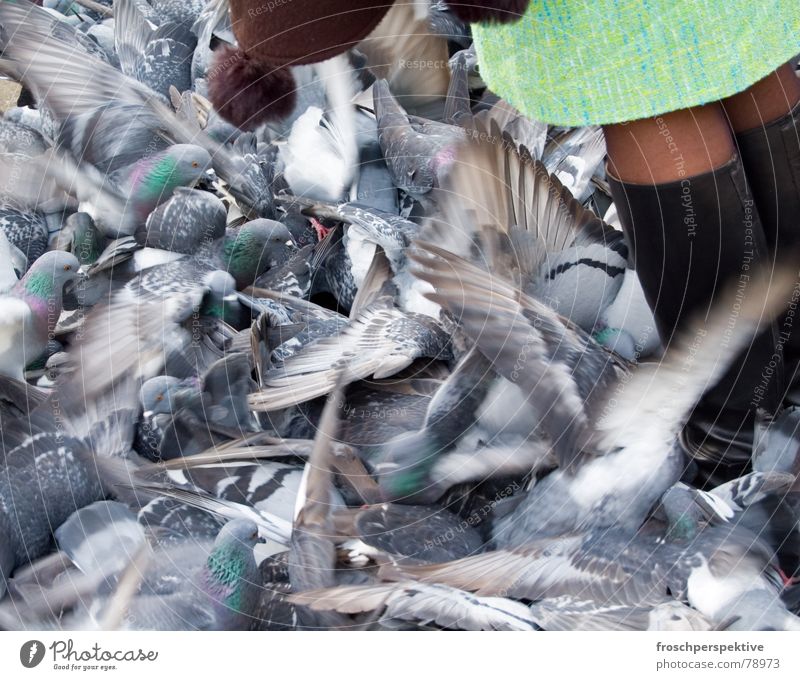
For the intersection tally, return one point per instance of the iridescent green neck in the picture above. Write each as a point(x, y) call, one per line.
point(226, 569)
point(242, 256)
point(159, 177)
point(39, 284)
point(682, 529)
point(216, 308)
point(86, 247)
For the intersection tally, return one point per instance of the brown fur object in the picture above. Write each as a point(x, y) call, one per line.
point(247, 92)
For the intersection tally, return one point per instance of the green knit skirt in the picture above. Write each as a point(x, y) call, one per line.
point(574, 62)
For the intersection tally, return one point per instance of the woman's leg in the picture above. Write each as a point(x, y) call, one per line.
point(693, 230)
point(767, 127)
point(766, 120)
point(764, 102)
point(670, 147)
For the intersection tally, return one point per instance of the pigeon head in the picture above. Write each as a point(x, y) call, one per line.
point(157, 395)
point(230, 575)
point(404, 467)
point(251, 84)
point(238, 534)
point(46, 278)
point(220, 297)
point(86, 240)
point(154, 178)
point(254, 248)
point(190, 162)
point(683, 515)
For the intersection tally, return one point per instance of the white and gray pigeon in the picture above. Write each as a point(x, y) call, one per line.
point(618, 456)
point(194, 584)
point(31, 309)
point(723, 572)
point(12, 263)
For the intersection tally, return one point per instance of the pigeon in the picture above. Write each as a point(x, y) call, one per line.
point(546, 241)
point(511, 328)
point(12, 263)
point(184, 222)
point(160, 398)
point(378, 342)
point(716, 572)
point(119, 201)
point(91, 118)
point(160, 57)
point(210, 588)
point(16, 138)
point(476, 425)
point(31, 310)
point(101, 537)
point(81, 237)
point(194, 584)
point(390, 231)
point(417, 157)
point(201, 415)
point(769, 497)
point(243, 252)
point(27, 231)
point(51, 458)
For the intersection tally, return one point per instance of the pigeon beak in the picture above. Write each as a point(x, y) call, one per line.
point(80, 278)
point(147, 414)
point(207, 179)
point(230, 298)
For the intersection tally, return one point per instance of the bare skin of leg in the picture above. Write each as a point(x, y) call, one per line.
point(769, 99)
point(671, 146)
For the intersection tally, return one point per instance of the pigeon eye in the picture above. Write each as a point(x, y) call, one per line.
point(195, 164)
point(160, 397)
point(67, 267)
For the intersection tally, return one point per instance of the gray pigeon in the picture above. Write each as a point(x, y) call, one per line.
point(20, 139)
point(30, 311)
point(183, 223)
point(719, 572)
point(417, 156)
point(160, 57)
point(27, 231)
point(378, 342)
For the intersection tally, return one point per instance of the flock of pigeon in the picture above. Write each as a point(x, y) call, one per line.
point(380, 364)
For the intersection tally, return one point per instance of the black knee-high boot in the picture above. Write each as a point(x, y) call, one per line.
point(690, 240)
point(771, 158)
